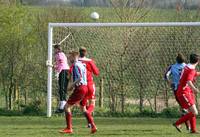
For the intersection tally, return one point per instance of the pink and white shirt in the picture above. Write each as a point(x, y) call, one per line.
point(61, 62)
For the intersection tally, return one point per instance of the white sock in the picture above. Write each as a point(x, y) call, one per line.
point(62, 104)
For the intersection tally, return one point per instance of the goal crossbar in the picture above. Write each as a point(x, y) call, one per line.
point(50, 43)
point(147, 24)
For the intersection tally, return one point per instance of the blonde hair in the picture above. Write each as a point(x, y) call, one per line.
point(73, 53)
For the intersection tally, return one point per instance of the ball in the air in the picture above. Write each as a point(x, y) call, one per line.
point(94, 15)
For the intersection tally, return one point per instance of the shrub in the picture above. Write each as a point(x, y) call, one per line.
point(171, 112)
point(33, 108)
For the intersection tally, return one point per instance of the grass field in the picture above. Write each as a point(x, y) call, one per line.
point(107, 127)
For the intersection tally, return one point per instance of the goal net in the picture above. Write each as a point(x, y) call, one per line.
point(132, 58)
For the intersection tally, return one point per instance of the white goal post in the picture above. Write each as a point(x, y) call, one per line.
point(50, 43)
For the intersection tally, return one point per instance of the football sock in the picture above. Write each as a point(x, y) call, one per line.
point(193, 124)
point(86, 116)
point(90, 108)
point(62, 104)
point(68, 117)
point(89, 118)
point(184, 118)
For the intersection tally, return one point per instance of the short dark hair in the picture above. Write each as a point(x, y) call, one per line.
point(180, 58)
point(194, 58)
point(57, 46)
point(82, 51)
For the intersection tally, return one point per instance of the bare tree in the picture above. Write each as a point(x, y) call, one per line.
point(128, 11)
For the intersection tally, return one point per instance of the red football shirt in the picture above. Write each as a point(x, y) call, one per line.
point(90, 67)
point(188, 74)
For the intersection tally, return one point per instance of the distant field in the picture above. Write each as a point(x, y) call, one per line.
point(107, 127)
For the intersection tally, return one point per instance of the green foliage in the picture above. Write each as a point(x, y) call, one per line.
point(23, 47)
point(4, 112)
point(171, 112)
point(23, 52)
point(33, 108)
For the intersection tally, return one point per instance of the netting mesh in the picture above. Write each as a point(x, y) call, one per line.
point(132, 61)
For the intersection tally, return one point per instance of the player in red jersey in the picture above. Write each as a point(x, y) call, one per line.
point(186, 93)
point(91, 69)
point(79, 73)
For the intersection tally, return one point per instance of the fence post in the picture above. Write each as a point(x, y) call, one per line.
point(101, 93)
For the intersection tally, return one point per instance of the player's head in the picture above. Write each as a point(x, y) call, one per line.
point(73, 56)
point(194, 58)
point(82, 51)
point(180, 58)
point(57, 48)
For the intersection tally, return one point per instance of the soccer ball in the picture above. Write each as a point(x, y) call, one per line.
point(94, 15)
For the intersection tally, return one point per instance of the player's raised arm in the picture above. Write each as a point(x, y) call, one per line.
point(194, 89)
point(198, 73)
point(167, 75)
point(95, 69)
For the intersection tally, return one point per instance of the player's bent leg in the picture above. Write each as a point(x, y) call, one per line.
point(191, 115)
point(187, 123)
point(77, 96)
point(183, 112)
point(88, 116)
point(68, 119)
point(194, 110)
point(184, 118)
point(91, 121)
point(91, 106)
point(91, 102)
point(186, 102)
point(84, 110)
point(91, 97)
point(90, 109)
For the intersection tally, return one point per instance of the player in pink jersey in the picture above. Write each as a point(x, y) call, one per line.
point(91, 70)
point(186, 93)
point(61, 68)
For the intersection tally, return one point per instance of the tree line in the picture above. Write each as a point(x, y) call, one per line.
point(131, 60)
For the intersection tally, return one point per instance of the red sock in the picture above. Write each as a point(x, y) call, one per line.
point(85, 114)
point(193, 124)
point(89, 119)
point(90, 108)
point(184, 118)
point(68, 120)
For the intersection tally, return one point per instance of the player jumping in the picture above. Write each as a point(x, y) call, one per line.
point(91, 69)
point(61, 68)
point(79, 74)
point(186, 93)
point(172, 76)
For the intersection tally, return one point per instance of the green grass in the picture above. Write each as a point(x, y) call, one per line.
point(107, 127)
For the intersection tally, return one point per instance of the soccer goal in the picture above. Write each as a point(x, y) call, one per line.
point(131, 56)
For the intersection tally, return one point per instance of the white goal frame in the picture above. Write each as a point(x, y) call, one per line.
point(50, 43)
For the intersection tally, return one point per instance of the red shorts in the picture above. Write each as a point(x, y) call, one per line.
point(90, 94)
point(186, 100)
point(78, 95)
